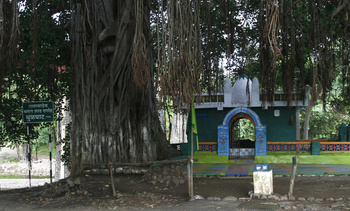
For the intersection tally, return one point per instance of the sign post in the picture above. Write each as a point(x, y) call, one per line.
point(38, 112)
point(50, 154)
point(29, 157)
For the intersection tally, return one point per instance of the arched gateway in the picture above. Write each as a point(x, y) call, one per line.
point(223, 131)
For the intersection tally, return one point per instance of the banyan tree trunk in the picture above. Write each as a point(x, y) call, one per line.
point(113, 120)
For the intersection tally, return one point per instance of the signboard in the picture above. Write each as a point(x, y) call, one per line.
point(37, 112)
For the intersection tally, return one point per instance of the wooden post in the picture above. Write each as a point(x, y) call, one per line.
point(112, 180)
point(292, 179)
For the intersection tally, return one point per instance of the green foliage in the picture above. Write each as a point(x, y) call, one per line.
point(43, 137)
point(327, 116)
point(40, 71)
point(244, 129)
point(230, 35)
point(324, 124)
point(40, 143)
point(43, 149)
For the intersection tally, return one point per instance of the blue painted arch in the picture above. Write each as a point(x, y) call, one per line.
point(240, 110)
point(223, 131)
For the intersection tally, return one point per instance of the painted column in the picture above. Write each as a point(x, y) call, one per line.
point(260, 140)
point(223, 140)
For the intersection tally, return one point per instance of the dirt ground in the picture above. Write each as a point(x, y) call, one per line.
point(95, 192)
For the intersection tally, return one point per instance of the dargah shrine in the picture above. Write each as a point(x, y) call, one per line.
point(217, 114)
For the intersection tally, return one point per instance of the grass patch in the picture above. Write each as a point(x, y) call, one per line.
point(212, 157)
point(305, 158)
point(23, 177)
point(335, 153)
point(279, 157)
point(44, 149)
point(11, 177)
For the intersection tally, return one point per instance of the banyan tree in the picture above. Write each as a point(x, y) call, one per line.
point(114, 108)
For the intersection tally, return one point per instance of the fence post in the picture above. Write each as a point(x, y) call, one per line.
point(295, 164)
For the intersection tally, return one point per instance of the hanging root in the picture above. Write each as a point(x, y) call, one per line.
point(179, 51)
point(140, 63)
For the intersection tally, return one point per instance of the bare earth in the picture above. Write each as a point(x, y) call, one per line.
point(94, 192)
point(40, 167)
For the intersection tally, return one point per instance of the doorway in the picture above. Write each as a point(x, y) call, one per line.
point(242, 137)
point(224, 134)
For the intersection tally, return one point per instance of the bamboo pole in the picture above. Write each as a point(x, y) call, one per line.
point(190, 168)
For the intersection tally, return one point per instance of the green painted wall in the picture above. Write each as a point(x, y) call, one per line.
point(278, 128)
point(208, 121)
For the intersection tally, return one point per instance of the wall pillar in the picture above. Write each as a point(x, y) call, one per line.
point(342, 132)
point(297, 123)
point(260, 140)
point(223, 140)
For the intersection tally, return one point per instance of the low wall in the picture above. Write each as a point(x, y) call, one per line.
point(166, 174)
